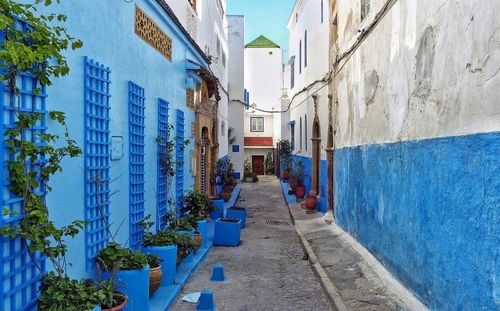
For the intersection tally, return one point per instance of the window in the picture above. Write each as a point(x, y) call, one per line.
point(305, 49)
point(224, 58)
point(365, 9)
point(292, 135)
point(322, 11)
point(256, 124)
point(305, 131)
point(300, 56)
point(218, 46)
point(223, 128)
point(292, 75)
point(270, 52)
point(300, 134)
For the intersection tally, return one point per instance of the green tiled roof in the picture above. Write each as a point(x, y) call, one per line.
point(262, 42)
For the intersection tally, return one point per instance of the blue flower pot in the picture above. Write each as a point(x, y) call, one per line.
point(134, 284)
point(203, 230)
point(168, 255)
point(97, 308)
point(238, 214)
point(227, 233)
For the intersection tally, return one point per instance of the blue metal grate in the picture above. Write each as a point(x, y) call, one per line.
point(18, 267)
point(97, 153)
point(162, 191)
point(179, 157)
point(136, 161)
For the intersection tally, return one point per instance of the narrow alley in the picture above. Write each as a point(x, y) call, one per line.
point(268, 270)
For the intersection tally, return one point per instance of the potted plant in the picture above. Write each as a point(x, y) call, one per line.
point(185, 246)
point(269, 164)
point(128, 270)
point(162, 244)
point(226, 195)
point(198, 204)
point(285, 153)
point(112, 299)
point(227, 232)
point(311, 201)
point(247, 171)
point(155, 274)
point(238, 213)
point(300, 189)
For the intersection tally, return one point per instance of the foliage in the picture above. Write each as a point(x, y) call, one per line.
point(60, 293)
point(153, 261)
point(298, 171)
point(247, 166)
point(269, 164)
point(185, 243)
point(224, 169)
point(285, 151)
point(179, 223)
point(197, 204)
point(111, 298)
point(37, 50)
point(115, 256)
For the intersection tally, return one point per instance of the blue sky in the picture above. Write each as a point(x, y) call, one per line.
point(264, 17)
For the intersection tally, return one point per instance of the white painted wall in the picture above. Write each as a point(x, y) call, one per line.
point(306, 16)
point(429, 69)
point(208, 25)
point(236, 41)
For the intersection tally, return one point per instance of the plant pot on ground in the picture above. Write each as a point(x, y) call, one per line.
point(238, 213)
point(113, 300)
point(129, 271)
point(310, 202)
point(226, 195)
point(198, 204)
point(155, 273)
point(300, 191)
point(227, 232)
point(163, 244)
point(197, 241)
point(185, 246)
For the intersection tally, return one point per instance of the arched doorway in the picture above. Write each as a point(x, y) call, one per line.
point(316, 151)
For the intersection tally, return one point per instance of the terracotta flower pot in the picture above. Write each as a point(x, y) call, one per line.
point(155, 278)
point(226, 195)
point(180, 257)
point(285, 176)
point(311, 201)
point(121, 306)
point(300, 191)
point(197, 241)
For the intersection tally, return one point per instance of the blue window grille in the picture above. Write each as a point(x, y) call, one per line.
point(179, 157)
point(136, 161)
point(162, 191)
point(18, 268)
point(97, 153)
point(246, 97)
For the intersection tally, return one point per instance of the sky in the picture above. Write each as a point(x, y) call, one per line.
point(264, 17)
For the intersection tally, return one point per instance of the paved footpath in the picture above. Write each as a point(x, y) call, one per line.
point(267, 271)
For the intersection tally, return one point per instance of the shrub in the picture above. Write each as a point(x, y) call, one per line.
point(116, 257)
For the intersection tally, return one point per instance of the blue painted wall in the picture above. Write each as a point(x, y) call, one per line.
point(307, 161)
point(110, 40)
point(430, 211)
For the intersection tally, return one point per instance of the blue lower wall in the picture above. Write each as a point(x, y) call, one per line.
point(430, 211)
point(307, 161)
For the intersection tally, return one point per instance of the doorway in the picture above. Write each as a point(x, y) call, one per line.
point(258, 164)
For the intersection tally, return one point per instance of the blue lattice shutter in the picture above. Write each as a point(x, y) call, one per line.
point(162, 191)
point(179, 156)
point(97, 153)
point(136, 161)
point(18, 268)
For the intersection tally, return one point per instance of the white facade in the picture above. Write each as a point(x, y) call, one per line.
point(207, 25)
point(308, 66)
point(263, 82)
point(236, 41)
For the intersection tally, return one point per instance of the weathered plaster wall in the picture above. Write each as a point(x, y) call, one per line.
point(417, 155)
point(236, 62)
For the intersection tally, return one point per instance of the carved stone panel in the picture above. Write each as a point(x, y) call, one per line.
point(150, 32)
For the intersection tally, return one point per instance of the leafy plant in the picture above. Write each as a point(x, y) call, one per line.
point(197, 204)
point(185, 243)
point(247, 169)
point(153, 260)
point(298, 171)
point(179, 223)
point(111, 298)
point(115, 256)
point(285, 152)
point(60, 293)
point(269, 164)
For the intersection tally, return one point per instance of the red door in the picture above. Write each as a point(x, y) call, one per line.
point(258, 165)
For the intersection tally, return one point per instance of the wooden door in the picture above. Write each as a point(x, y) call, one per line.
point(258, 165)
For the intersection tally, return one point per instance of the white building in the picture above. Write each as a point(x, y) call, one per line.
point(263, 84)
point(305, 75)
point(206, 22)
point(236, 42)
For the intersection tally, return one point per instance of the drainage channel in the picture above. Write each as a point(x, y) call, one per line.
point(277, 222)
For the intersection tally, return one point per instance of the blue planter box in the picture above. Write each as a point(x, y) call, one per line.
point(134, 284)
point(238, 214)
point(97, 308)
point(227, 233)
point(168, 255)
